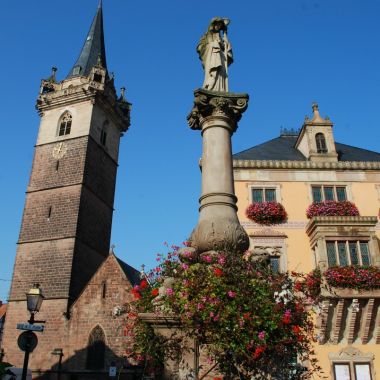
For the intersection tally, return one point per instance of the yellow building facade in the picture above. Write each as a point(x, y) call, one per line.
point(297, 169)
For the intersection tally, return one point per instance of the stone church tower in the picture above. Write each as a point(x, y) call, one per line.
point(66, 225)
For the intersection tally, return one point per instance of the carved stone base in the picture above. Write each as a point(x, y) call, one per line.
point(219, 235)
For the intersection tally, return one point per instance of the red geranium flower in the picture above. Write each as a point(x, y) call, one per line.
point(143, 284)
point(218, 272)
point(154, 292)
point(286, 320)
point(258, 351)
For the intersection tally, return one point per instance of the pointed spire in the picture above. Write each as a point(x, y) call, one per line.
point(93, 49)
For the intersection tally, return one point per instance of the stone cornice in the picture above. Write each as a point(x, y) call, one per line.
point(313, 165)
point(342, 221)
point(344, 226)
point(86, 90)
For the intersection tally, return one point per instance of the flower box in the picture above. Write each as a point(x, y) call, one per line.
point(353, 277)
point(266, 213)
point(332, 208)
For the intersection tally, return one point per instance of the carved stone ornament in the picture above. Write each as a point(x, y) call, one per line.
point(219, 235)
point(213, 103)
point(349, 353)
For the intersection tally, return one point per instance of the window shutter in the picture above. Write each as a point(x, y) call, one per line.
point(317, 193)
point(341, 194)
point(353, 253)
point(257, 195)
point(329, 193)
point(342, 253)
point(331, 254)
point(365, 253)
point(270, 195)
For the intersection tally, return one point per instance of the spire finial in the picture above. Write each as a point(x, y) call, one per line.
point(52, 76)
point(316, 117)
point(122, 94)
point(100, 5)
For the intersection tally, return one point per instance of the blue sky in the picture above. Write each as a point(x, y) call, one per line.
point(287, 55)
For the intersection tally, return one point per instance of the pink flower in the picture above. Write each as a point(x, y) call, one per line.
point(231, 294)
point(184, 266)
point(222, 260)
point(200, 306)
point(169, 291)
point(261, 335)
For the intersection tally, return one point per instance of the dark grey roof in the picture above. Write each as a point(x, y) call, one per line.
point(93, 47)
point(352, 153)
point(282, 148)
point(132, 274)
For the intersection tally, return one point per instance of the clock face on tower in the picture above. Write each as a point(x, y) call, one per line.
point(59, 150)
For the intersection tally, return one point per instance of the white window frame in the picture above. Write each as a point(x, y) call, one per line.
point(334, 185)
point(347, 241)
point(261, 185)
point(60, 121)
point(351, 356)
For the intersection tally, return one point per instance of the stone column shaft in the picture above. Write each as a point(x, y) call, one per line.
point(216, 115)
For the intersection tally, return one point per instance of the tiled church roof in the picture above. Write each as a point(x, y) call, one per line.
point(282, 148)
point(132, 274)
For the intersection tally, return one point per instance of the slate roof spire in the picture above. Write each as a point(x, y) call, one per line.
point(93, 50)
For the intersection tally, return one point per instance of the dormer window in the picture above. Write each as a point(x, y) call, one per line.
point(65, 124)
point(321, 143)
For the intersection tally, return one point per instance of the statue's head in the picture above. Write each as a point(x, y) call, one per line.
point(218, 23)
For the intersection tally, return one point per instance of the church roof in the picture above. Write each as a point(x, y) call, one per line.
point(282, 148)
point(132, 274)
point(93, 48)
point(3, 310)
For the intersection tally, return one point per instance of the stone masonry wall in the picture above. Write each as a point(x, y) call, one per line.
point(47, 263)
point(91, 309)
point(55, 334)
point(47, 174)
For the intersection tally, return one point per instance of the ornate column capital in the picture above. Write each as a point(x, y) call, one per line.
point(217, 104)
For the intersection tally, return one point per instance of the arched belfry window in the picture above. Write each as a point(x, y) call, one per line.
point(65, 124)
point(96, 349)
point(321, 143)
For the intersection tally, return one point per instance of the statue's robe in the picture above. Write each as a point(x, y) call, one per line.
point(215, 55)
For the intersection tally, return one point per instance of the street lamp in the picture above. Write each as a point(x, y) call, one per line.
point(34, 300)
point(27, 341)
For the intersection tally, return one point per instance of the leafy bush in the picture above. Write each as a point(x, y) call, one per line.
point(252, 320)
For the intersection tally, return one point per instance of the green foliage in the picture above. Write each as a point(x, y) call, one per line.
point(3, 366)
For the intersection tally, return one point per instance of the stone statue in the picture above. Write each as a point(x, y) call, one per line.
point(215, 52)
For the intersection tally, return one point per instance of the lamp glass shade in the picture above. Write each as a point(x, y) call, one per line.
point(34, 300)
